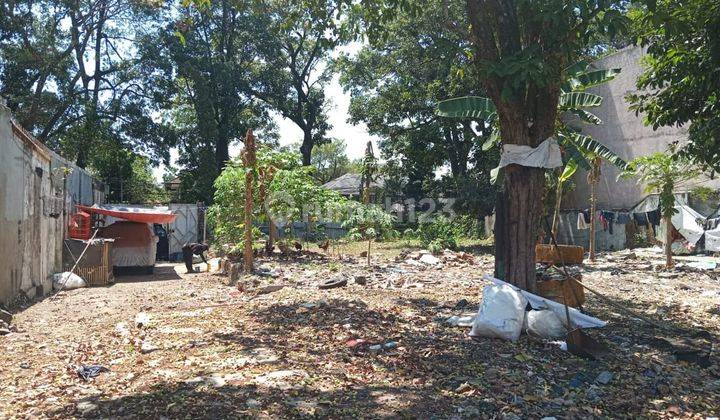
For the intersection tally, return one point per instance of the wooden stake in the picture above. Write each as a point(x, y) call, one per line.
point(249, 158)
point(594, 178)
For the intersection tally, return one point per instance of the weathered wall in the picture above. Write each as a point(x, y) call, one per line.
point(33, 213)
point(625, 134)
point(569, 234)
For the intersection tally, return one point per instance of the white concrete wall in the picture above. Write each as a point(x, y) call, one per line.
point(625, 134)
point(31, 240)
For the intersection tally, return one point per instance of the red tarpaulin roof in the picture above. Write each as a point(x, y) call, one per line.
point(133, 214)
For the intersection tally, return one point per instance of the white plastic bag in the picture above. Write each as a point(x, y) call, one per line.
point(501, 313)
point(544, 324)
point(67, 281)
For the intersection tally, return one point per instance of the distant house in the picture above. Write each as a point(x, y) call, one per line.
point(173, 186)
point(348, 185)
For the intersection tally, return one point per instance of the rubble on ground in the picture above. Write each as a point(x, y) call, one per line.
point(303, 351)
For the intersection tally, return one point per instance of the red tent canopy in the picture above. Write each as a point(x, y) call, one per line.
point(133, 214)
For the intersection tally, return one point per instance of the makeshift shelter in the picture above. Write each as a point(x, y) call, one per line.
point(131, 228)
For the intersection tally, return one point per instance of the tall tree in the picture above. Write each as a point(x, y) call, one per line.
point(394, 84)
point(293, 50)
point(66, 64)
point(330, 160)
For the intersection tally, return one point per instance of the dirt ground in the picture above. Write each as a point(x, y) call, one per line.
point(207, 350)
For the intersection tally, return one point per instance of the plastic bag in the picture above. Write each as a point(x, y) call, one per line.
point(67, 281)
point(501, 313)
point(545, 324)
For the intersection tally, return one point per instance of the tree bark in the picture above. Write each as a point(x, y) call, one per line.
point(518, 212)
point(222, 153)
point(307, 146)
point(668, 242)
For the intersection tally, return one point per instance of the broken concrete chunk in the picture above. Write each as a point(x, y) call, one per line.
point(429, 259)
point(5, 316)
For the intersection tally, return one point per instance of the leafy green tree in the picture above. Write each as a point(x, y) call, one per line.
point(661, 172)
point(330, 160)
point(681, 83)
point(66, 64)
point(394, 83)
point(291, 73)
point(286, 193)
point(522, 52)
point(212, 63)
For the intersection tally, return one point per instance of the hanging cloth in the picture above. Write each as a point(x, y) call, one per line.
point(581, 223)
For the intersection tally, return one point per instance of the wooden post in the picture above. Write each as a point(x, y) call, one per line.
point(668, 242)
point(249, 158)
point(594, 178)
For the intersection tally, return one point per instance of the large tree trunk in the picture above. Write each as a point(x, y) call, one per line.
point(222, 153)
point(306, 147)
point(519, 209)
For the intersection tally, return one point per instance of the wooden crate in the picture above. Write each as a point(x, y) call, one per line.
point(96, 266)
point(549, 255)
point(552, 289)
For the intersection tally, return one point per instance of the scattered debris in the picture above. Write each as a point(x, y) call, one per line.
point(429, 259)
point(86, 372)
point(5, 316)
point(333, 283)
point(142, 320)
point(604, 377)
point(269, 289)
point(461, 321)
point(147, 347)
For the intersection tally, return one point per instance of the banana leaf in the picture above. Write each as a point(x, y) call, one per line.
point(475, 107)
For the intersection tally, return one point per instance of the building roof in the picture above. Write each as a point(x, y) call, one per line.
point(349, 184)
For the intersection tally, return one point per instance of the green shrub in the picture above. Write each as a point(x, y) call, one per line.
point(439, 231)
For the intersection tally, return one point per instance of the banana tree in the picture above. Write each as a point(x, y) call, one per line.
point(579, 150)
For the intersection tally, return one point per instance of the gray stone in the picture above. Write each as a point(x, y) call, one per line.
point(5, 316)
point(604, 377)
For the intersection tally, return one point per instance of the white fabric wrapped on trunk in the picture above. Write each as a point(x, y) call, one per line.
point(546, 155)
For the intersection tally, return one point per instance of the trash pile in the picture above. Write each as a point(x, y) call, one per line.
point(504, 314)
point(425, 259)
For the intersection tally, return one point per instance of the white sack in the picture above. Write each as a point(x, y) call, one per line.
point(546, 155)
point(544, 324)
point(578, 318)
point(501, 313)
point(67, 281)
